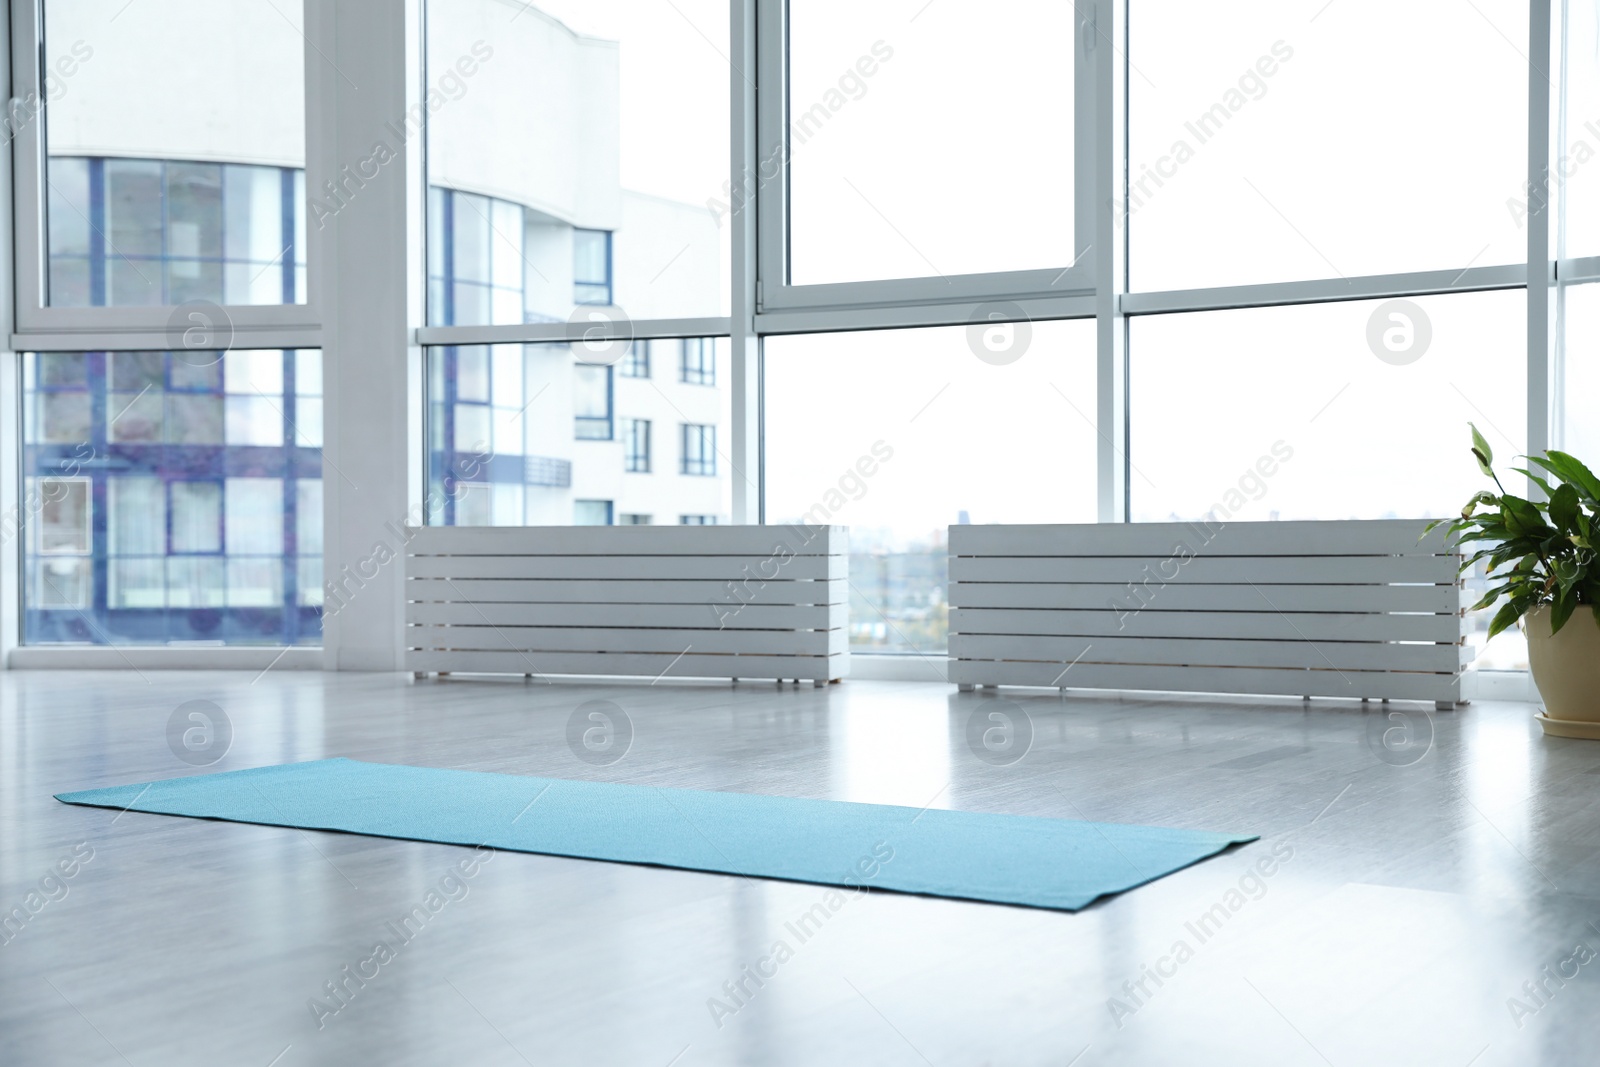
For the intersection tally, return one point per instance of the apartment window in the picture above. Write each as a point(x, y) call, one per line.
point(634, 519)
point(591, 266)
point(211, 523)
point(699, 455)
point(636, 445)
point(478, 261)
point(128, 232)
point(591, 405)
point(511, 433)
point(636, 364)
point(698, 364)
point(591, 512)
point(697, 520)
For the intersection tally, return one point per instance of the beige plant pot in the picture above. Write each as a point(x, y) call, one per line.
point(1566, 666)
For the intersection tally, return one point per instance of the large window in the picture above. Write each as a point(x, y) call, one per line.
point(923, 432)
point(172, 498)
point(173, 174)
point(1255, 156)
point(868, 81)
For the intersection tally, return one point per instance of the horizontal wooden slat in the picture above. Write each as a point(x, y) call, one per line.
point(1268, 570)
point(628, 540)
point(754, 569)
point(691, 665)
point(537, 639)
point(1158, 539)
point(1288, 598)
point(1243, 624)
point(720, 615)
point(1289, 652)
point(531, 591)
point(1325, 683)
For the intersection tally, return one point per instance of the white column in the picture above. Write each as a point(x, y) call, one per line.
point(1541, 290)
point(745, 448)
point(1100, 23)
point(365, 237)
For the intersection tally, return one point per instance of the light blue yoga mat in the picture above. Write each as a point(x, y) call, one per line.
point(1006, 859)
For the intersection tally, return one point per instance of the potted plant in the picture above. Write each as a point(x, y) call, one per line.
point(1542, 565)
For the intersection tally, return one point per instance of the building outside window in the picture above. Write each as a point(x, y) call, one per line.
point(591, 513)
point(591, 402)
point(179, 497)
point(636, 456)
point(634, 519)
point(699, 456)
point(591, 266)
point(697, 520)
point(698, 364)
point(636, 364)
point(126, 232)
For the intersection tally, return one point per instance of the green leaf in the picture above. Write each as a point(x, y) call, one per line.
point(1481, 450)
point(1505, 618)
point(1520, 516)
point(1572, 470)
point(1566, 602)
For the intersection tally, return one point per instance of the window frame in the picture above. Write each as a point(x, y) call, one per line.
point(955, 294)
point(41, 327)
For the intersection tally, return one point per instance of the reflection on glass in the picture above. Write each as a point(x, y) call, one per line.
point(152, 517)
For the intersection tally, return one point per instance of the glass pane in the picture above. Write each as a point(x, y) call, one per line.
point(133, 219)
point(1258, 154)
point(255, 516)
point(1576, 169)
point(197, 517)
point(137, 512)
point(929, 139)
point(552, 423)
point(191, 544)
point(924, 432)
point(1577, 381)
point(620, 113)
point(254, 420)
point(64, 515)
point(1293, 413)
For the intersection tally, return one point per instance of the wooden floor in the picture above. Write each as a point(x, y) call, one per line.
point(1424, 880)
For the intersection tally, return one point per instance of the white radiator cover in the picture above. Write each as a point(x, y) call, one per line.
point(1365, 609)
point(645, 601)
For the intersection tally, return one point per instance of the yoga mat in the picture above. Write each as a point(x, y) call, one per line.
point(1005, 859)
